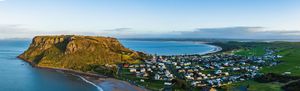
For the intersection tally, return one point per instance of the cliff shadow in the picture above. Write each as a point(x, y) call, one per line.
point(38, 58)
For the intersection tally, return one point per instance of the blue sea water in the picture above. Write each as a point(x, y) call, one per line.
point(17, 75)
point(167, 47)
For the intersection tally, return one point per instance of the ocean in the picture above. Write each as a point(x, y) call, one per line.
point(167, 47)
point(17, 75)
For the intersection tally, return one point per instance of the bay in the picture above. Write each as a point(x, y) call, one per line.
point(168, 47)
point(17, 75)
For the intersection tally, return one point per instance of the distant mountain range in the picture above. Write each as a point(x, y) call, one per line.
point(211, 39)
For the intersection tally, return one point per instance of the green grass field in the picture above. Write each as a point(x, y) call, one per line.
point(154, 85)
point(289, 51)
point(290, 63)
point(256, 86)
point(256, 51)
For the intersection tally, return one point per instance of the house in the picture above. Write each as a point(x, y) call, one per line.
point(278, 56)
point(163, 67)
point(187, 67)
point(131, 66)
point(181, 70)
point(196, 70)
point(194, 83)
point(218, 72)
point(178, 67)
point(226, 64)
point(205, 77)
point(142, 65)
point(143, 70)
point(188, 63)
point(126, 65)
point(199, 78)
point(190, 70)
point(226, 73)
point(286, 73)
point(153, 66)
point(161, 64)
point(132, 70)
point(148, 65)
point(174, 63)
point(157, 77)
point(208, 75)
point(167, 72)
point(189, 77)
point(136, 66)
point(168, 83)
point(149, 69)
point(145, 74)
point(235, 68)
point(142, 80)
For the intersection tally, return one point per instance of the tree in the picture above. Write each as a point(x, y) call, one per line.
point(179, 84)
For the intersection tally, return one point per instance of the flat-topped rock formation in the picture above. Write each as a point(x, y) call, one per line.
point(83, 53)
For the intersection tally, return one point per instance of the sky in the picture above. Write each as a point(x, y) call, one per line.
point(151, 18)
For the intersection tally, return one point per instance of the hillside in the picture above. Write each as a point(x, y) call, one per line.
point(83, 53)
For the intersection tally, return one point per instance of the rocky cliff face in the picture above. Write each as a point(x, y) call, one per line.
point(83, 53)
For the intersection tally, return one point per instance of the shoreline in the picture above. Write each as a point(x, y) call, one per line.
point(89, 82)
point(65, 70)
point(214, 50)
point(97, 79)
point(90, 78)
point(112, 84)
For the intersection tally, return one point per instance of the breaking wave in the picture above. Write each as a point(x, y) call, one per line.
point(98, 87)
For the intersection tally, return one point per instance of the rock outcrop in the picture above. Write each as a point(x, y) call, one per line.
point(84, 53)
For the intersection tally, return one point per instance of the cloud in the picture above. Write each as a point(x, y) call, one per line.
point(15, 31)
point(10, 28)
point(21, 31)
point(119, 29)
point(241, 33)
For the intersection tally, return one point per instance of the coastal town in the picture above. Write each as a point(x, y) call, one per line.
point(211, 70)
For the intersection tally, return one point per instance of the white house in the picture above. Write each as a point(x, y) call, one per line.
point(132, 70)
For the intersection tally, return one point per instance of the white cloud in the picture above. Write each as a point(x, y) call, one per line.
point(20, 31)
point(241, 33)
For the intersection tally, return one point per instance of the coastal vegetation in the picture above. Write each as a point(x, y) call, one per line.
point(103, 55)
point(288, 68)
point(81, 53)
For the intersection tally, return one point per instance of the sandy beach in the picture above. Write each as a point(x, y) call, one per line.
point(215, 48)
point(105, 83)
point(101, 82)
point(112, 84)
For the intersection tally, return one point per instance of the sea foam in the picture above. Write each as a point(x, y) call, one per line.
point(87, 81)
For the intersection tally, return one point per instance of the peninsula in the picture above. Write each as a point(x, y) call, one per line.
point(239, 65)
point(89, 54)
